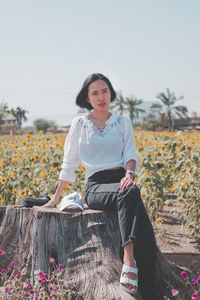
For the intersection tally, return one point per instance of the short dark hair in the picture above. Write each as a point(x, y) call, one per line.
point(83, 94)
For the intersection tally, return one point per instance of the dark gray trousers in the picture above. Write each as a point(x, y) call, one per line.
point(103, 193)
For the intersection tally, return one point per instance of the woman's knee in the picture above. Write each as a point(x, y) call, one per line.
point(129, 196)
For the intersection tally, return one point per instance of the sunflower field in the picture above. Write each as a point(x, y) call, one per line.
point(169, 164)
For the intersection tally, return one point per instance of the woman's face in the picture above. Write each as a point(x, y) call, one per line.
point(99, 95)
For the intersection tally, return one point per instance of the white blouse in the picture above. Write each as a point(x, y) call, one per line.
point(96, 150)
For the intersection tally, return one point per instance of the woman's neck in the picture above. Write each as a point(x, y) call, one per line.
point(103, 116)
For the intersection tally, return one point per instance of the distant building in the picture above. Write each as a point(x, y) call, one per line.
point(9, 124)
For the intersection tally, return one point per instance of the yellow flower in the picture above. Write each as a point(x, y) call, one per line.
point(159, 220)
point(30, 149)
point(3, 180)
point(28, 135)
point(57, 145)
point(14, 191)
point(46, 159)
point(184, 184)
point(23, 193)
point(36, 157)
point(42, 175)
point(3, 145)
point(148, 184)
point(24, 143)
point(32, 165)
point(14, 160)
point(12, 175)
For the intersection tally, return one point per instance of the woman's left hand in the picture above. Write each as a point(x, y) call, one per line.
point(127, 181)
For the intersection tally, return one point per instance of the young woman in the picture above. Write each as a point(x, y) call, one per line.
point(104, 143)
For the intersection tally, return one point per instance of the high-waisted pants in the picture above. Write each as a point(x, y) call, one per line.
point(103, 192)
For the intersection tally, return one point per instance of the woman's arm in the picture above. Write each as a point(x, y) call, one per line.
point(56, 196)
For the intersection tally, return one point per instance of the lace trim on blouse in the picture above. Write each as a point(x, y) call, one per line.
point(109, 124)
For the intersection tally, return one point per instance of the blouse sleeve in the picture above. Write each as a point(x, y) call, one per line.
point(71, 154)
point(129, 151)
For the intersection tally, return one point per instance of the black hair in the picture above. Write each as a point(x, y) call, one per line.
point(83, 94)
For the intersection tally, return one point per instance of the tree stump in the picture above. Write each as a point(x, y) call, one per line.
point(87, 244)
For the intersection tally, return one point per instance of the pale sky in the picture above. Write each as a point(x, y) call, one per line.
point(49, 47)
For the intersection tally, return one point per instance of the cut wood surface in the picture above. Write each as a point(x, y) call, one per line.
point(87, 244)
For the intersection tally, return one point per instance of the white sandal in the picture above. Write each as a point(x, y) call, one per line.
point(125, 280)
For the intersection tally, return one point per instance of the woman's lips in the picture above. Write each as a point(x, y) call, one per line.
point(102, 104)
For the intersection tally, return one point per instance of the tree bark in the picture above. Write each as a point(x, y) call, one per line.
point(87, 244)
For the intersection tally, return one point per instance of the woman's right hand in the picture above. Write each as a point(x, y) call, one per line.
point(51, 203)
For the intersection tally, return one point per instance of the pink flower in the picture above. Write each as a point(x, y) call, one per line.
point(36, 292)
point(51, 259)
point(23, 265)
point(198, 272)
point(195, 283)
point(6, 289)
point(43, 279)
point(45, 275)
point(55, 289)
point(30, 286)
point(194, 296)
point(13, 263)
point(198, 280)
point(3, 270)
point(70, 278)
point(2, 252)
point(60, 265)
point(26, 281)
point(26, 294)
point(9, 268)
point(40, 274)
point(184, 274)
point(12, 276)
point(174, 292)
point(40, 280)
point(53, 279)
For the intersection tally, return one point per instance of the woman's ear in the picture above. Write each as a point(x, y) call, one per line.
point(88, 100)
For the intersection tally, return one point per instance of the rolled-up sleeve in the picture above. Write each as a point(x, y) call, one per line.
point(71, 153)
point(129, 151)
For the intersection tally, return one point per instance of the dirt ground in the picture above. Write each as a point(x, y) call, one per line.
point(171, 235)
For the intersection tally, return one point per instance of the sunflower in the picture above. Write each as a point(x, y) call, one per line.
point(184, 184)
point(23, 193)
point(14, 191)
point(14, 160)
point(24, 143)
point(12, 175)
point(36, 157)
point(42, 175)
point(159, 220)
point(3, 180)
point(46, 159)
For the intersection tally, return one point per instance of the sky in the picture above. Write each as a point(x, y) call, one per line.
point(49, 47)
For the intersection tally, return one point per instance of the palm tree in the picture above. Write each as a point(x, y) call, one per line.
point(20, 115)
point(169, 100)
point(131, 106)
point(119, 104)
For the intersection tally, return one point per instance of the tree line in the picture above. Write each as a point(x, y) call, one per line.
point(160, 113)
